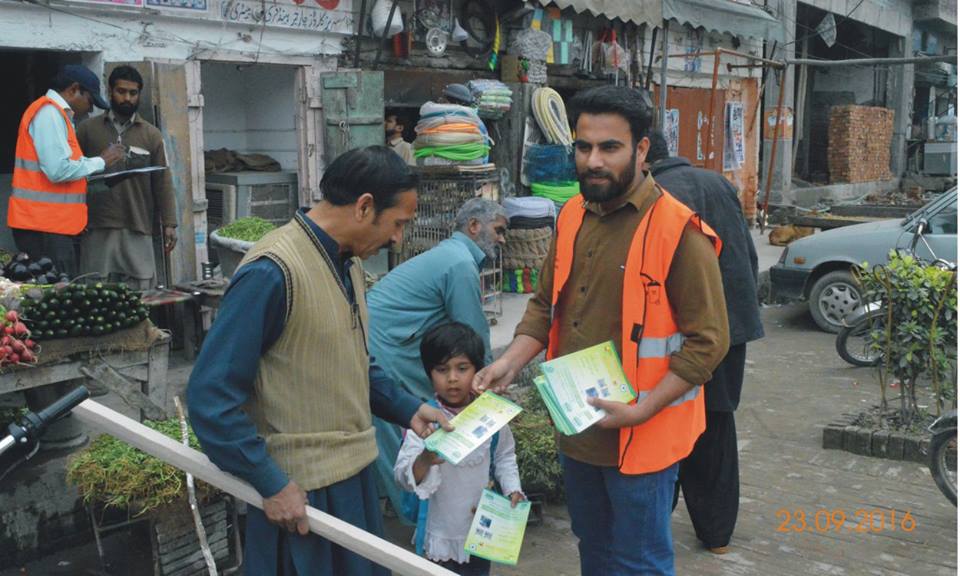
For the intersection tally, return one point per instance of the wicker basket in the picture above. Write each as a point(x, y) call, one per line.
point(526, 248)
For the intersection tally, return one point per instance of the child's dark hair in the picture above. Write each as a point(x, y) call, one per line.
point(446, 341)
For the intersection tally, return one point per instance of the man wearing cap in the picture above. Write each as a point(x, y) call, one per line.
point(47, 207)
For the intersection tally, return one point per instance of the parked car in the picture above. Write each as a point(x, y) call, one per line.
point(818, 268)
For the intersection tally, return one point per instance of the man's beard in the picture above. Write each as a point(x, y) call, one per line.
point(124, 110)
point(615, 187)
point(488, 244)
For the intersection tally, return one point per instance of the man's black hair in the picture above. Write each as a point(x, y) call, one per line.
point(658, 147)
point(618, 100)
point(374, 170)
point(446, 341)
point(128, 73)
point(401, 118)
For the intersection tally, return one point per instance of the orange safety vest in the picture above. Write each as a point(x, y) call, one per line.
point(37, 203)
point(650, 334)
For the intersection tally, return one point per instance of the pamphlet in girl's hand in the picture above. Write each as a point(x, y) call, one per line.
point(479, 421)
point(496, 532)
point(569, 380)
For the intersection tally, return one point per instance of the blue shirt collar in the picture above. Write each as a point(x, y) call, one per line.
point(327, 241)
point(475, 250)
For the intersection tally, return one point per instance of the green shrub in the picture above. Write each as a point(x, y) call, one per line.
point(537, 455)
point(918, 336)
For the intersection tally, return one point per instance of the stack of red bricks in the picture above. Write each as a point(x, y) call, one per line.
point(859, 149)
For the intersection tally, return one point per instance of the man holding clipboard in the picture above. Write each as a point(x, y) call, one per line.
point(125, 210)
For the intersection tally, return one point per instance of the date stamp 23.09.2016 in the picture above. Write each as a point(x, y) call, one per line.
point(837, 520)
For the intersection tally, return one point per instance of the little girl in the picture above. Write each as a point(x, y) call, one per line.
point(451, 354)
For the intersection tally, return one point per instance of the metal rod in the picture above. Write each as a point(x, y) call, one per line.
point(356, 54)
point(707, 160)
point(773, 150)
point(873, 61)
point(386, 30)
point(763, 85)
point(767, 61)
point(653, 45)
point(663, 75)
point(801, 104)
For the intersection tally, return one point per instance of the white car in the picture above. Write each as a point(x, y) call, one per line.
point(818, 268)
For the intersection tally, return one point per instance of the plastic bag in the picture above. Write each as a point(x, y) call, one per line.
point(378, 19)
point(609, 56)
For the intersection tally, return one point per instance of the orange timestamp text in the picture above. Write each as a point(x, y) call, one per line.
point(837, 520)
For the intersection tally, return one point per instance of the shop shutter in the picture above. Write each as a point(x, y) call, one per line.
point(352, 110)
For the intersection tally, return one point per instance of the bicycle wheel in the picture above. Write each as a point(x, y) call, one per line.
point(854, 344)
point(943, 462)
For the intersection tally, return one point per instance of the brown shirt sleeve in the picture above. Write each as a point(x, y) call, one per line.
point(161, 183)
point(695, 290)
point(536, 320)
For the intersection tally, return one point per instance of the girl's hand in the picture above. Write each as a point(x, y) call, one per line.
point(515, 498)
point(421, 466)
point(428, 459)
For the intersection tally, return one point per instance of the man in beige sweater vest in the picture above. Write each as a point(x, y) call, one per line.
point(283, 389)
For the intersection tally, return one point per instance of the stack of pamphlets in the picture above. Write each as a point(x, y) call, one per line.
point(496, 532)
point(569, 380)
point(479, 421)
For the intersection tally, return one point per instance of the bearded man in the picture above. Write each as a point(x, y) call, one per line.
point(631, 264)
point(439, 286)
point(126, 212)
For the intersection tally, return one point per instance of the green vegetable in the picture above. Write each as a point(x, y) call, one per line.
point(248, 229)
point(118, 475)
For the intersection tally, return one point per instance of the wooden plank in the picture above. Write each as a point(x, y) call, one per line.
point(189, 460)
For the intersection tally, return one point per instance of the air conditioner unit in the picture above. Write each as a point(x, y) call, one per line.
point(272, 196)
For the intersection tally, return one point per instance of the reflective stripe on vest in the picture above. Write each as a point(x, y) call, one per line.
point(52, 197)
point(650, 334)
point(26, 165)
point(36, 202)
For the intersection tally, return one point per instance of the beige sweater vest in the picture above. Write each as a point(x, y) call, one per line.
point(312, 392)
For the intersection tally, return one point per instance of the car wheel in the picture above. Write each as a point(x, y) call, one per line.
point(832, 297)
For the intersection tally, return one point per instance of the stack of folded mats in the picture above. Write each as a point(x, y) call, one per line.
point(532, 222)
point(448, 134)
point(492, 97)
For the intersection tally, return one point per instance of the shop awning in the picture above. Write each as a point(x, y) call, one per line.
point(725, 16)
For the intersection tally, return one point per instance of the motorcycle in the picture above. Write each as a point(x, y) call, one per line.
point(943, 454)
point(23, 439)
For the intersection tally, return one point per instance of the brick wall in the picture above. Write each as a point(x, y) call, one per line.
point(859, 145)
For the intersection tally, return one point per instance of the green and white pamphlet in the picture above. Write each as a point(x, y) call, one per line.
point(487, 414)
point(569, 380)
point(496, 532)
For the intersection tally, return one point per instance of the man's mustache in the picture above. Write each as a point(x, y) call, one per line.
point(598, 174)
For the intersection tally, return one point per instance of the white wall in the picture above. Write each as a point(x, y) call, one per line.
point(250, 108)
point(227, 30)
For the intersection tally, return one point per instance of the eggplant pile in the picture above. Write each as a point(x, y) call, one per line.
point(23, 269)
point(73, 310)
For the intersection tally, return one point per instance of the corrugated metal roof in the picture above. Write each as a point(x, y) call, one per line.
point(726, 16)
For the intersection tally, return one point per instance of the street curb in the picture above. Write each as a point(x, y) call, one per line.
point(843, 434)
